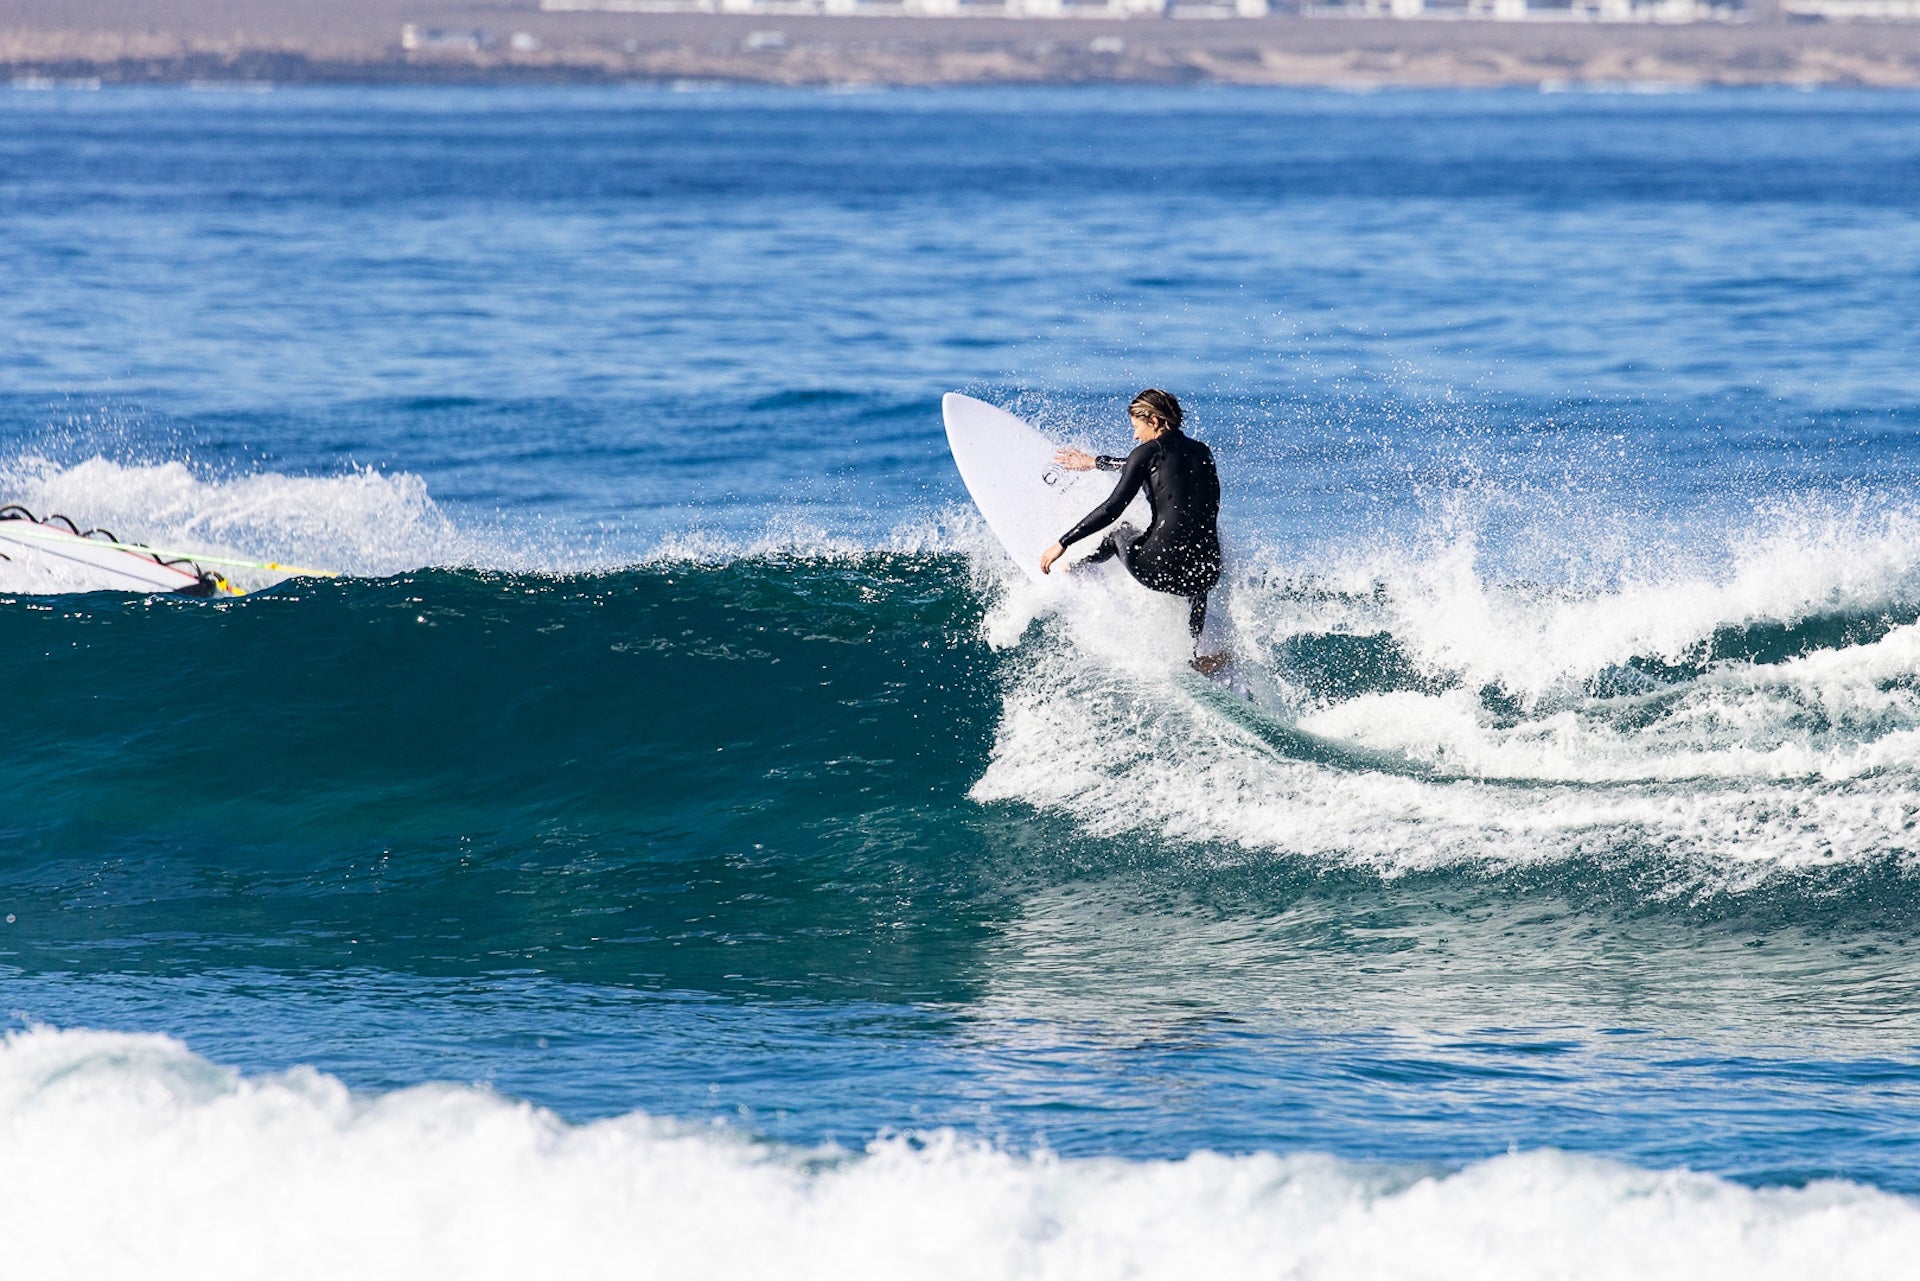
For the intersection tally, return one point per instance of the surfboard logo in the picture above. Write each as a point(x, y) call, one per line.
point(1051, 476)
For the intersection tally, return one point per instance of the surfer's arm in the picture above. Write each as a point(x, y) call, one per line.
point(1081, 460)
point(1132, 476)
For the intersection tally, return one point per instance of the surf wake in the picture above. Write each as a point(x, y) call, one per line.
point(1411, 710)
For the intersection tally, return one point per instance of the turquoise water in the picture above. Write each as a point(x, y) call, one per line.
point(678, 754)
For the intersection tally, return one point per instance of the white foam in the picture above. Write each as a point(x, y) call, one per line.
point(1442, 604)
point(362, 522)
point(127, 1155)
point(793, 537)
point(1746, 769)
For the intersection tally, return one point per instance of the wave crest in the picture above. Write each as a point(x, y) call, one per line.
point(363, 522)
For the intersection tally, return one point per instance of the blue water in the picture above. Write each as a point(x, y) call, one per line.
point(677, 742)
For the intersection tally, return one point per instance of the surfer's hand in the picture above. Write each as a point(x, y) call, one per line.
point(1049, 556)
point(1073, 459)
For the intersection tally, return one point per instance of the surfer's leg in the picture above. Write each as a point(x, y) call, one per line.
point(1197, 615)
point(1109, 548)
point(1205, 664)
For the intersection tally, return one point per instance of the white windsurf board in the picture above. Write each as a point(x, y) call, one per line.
point(86, 564)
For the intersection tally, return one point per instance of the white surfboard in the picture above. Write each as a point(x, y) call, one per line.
point(1027, 500)
point(73, 563)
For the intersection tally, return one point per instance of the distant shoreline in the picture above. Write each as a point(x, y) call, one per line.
point(361, 42)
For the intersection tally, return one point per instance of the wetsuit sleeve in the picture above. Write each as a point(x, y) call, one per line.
point(1108, 462)
point(1132, 476)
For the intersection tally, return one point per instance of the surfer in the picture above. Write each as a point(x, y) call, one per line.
point(1180, 552)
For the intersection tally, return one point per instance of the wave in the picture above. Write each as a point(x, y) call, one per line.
point(218, 1174)
point(1407, 708)
point(488, 693)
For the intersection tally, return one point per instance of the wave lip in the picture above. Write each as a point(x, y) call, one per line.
point(211, 1173)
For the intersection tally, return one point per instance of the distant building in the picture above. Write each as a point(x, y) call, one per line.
point(1853, 10)
point(1660, 11)
point(415, 39)
point(1650, 11)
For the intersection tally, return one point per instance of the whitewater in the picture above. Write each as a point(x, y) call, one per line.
point(680, 844)
point(295, 1175)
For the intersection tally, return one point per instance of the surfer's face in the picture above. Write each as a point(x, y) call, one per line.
point(1145, 427)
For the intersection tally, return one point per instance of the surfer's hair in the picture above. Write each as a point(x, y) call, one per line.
point(1157, 406)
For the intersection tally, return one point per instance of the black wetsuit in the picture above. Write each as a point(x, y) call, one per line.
point(1180, 552)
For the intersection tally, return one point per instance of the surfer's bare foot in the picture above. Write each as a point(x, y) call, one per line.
point(1211, 664)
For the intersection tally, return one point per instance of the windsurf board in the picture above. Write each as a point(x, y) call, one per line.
point(90, 563)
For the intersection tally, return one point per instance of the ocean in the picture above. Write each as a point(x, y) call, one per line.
point(681, 844)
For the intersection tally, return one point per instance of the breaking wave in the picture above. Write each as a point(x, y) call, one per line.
point(1397, 705)
point(223, 1175)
